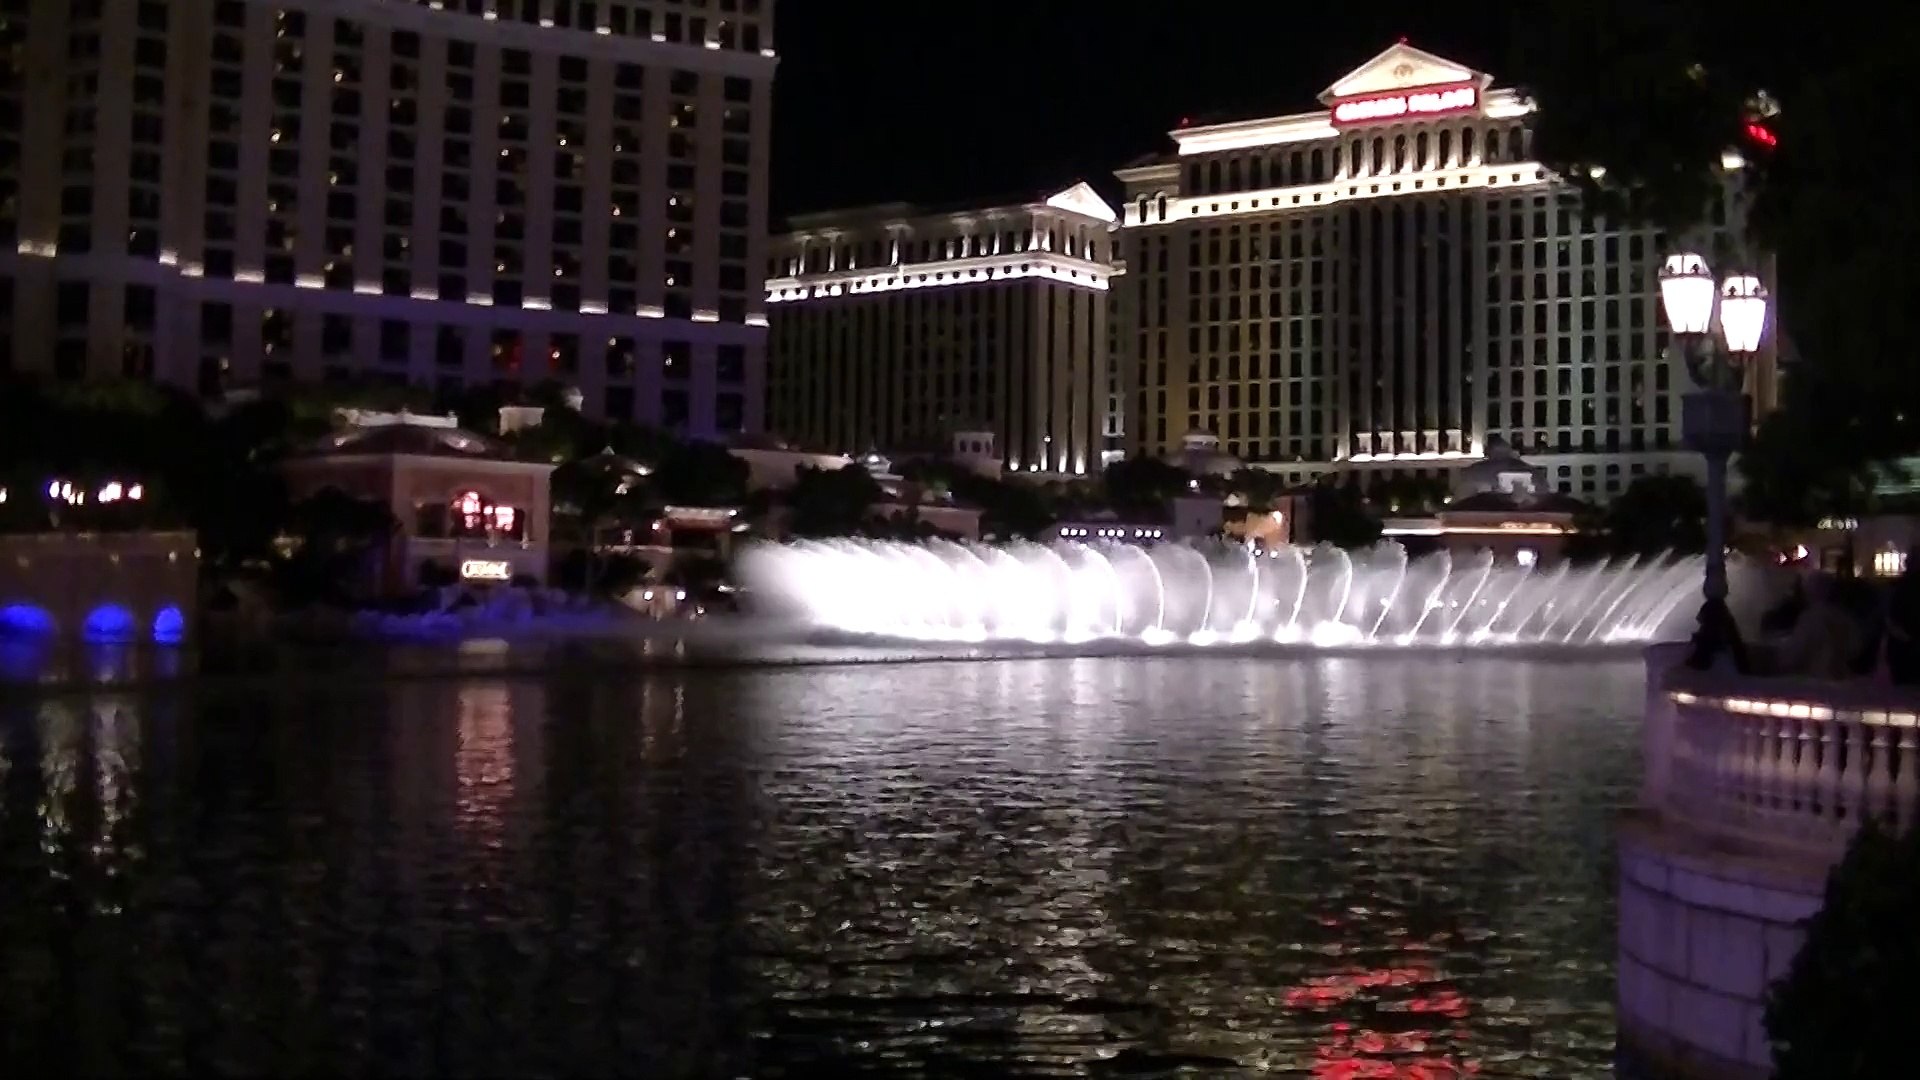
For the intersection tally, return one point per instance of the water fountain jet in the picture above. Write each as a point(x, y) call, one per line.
point(1211, 595)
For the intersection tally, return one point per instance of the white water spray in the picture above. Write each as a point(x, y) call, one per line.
point(1217, 594)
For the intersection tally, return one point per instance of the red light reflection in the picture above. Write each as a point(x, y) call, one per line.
point(1350, 1052)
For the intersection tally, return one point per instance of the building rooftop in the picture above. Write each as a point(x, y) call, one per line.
point(415, 440)
point(1500, 502)
point(880, 213)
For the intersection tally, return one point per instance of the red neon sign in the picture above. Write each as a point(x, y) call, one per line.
point(1421, 102)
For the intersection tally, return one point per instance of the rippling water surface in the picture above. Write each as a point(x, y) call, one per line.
point(1392, 866)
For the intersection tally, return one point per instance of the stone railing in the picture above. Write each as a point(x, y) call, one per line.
point(1787, 764)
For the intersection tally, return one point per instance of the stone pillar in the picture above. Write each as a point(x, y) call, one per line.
point(1656, 728)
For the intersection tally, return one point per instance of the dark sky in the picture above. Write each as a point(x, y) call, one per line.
point(947, 100)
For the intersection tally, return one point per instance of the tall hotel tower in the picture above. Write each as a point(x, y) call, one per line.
point(1387, 283)
point(896, 326)
point(226, 193)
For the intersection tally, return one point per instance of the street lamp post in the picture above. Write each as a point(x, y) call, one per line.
point(1714, 417)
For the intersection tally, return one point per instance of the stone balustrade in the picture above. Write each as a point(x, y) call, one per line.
point(1790, 762)
point(1753, 787)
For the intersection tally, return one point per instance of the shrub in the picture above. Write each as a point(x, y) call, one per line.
point(1844, 1009)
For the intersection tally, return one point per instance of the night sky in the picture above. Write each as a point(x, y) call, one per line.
point(937, 101)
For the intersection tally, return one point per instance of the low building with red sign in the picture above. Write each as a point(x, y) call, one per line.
point(463, 506)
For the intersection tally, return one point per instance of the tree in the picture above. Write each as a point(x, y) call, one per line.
point(338, 536)
point(1844, 1009)
point(312, 409)
point(1007, 508)
point(831, 502)
point(562, 435)
point(1338, 515)
point(1140, 487)
point(1257, 488)
point(231, 489)
point(699, 474)
point(1810, 460)
point(1402, 494)
point(1653, 93)
point(590, 493)
point(700, 573)
point(1655, 516)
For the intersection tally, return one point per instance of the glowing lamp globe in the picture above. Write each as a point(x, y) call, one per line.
point(1686, 291)
point(1743, 312)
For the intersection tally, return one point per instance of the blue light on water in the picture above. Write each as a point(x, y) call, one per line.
point(25, 620)
point(110, 622)
point(169, 625)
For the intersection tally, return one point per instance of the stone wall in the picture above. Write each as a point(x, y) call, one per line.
point(70, 578)
point(1703, 932)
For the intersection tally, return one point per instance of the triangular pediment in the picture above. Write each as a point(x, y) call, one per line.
point(1401, 67)
point(1082, 199)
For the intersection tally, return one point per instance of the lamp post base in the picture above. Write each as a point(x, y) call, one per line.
point(1717, 645)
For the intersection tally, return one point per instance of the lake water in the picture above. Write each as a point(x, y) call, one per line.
point(1377, 866)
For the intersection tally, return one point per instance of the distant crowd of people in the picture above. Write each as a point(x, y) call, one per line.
point(1838, 626)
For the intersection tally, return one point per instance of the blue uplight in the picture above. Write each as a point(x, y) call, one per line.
point(25, 620)
point(110, 622)
point(169, 625)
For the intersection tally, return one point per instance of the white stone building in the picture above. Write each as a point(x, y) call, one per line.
point(896, 326)
point(1387, 281)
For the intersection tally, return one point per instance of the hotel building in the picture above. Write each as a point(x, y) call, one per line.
point(896, 326)
point(229, 193)
point(1385, 283)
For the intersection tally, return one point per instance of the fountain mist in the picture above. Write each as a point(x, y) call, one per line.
point(1217, 594)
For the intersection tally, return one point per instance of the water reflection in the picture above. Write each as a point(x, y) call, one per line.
point(1379, 867)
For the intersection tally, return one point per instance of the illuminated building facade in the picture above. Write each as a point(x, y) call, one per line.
point(465, 508)
point(1385, 283)
point(227, 193)
point(895, 327)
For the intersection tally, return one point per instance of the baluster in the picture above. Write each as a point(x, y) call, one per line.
point(1782, 753)
point(1906, 786)
point(1765, 782)
point(1784, 792)
point(1801, 745)
point(1680, 772)
point(1826, 776)
point(1756, 767)
point(1693, 769)
point(1738, 769)
point(1735, 772)
point(1833, 782)
point(1730, 785)
point(1877, 773)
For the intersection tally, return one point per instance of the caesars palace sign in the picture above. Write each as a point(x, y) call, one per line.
point(1416, 102)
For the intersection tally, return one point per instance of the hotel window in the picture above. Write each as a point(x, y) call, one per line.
point(563, 354)
point(620, 359)
point(336, 336)
point(676, 360)
point(396, 339)
point(617, 403)
point(673, 408)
